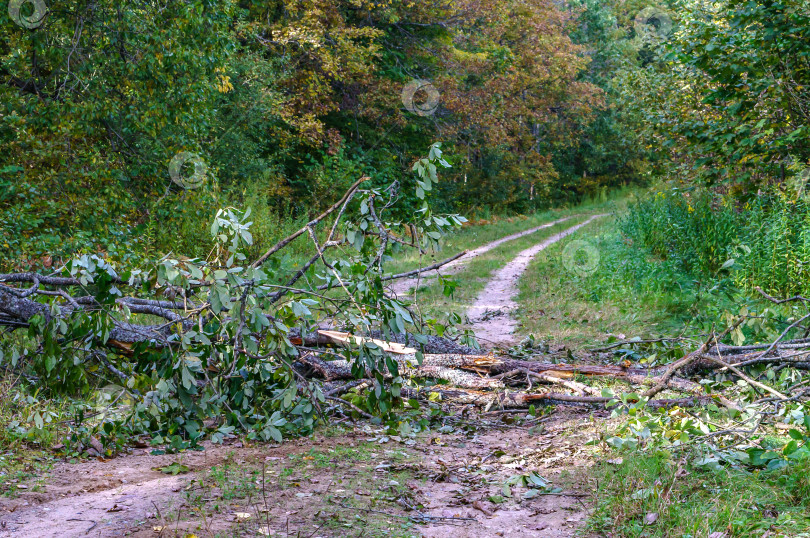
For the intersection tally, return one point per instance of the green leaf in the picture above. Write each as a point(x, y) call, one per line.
point(796, 434)
point(173, 469)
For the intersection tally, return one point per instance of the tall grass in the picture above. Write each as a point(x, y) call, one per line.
point(764, 242)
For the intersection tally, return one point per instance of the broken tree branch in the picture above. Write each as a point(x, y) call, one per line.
point(289, 239)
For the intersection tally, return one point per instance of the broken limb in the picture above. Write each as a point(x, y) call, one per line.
point(524, 399)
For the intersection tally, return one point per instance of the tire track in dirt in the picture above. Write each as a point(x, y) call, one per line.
point(404, 286)
point(128, 495)
point(491, 313)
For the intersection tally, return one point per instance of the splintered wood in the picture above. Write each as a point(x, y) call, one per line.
point(481, 380)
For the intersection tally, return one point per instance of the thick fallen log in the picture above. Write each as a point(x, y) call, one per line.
point(449, 367)
point(488, 364)
point(577, 387)
point(505, 399)
point(20, 310)
point(341, 369)
point(520, 400)
point(435, 344)
point(492, 365)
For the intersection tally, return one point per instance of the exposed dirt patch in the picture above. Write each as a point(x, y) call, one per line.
point(360, 483)
point(479, 467)
point(491, 312)
point(113, 497)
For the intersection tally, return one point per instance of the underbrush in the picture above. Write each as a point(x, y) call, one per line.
point(662, 495)
point(29, 428)
point(764, 242)
point(711, 472)
point(673, 264)
point(679, 266)
point(627, 293)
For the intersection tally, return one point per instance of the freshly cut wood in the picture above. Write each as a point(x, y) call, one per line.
point(505, 399)
point(458, 378)
point(494, 365)
point(350, 339)
point(581, 388)
point(488, 364)
point(469, 388)
point(341, 369)
point(519, 400)
point(450, 367)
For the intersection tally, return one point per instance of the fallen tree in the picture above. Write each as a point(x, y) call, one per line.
point(205, 347)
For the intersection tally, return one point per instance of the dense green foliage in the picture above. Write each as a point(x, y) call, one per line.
point(727, 94)
point(199, 348)
point(697, 500)
point(286, 103)
point(763, 243)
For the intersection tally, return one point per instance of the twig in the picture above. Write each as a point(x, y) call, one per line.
point(747, 379)
point(284, 242)
point(349, 404)
point(691, 357)
point(780, 301)
point(626, 342)
point(424, 269)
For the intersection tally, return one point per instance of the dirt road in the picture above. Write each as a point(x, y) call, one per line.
point(491, 314)
point(402, 287)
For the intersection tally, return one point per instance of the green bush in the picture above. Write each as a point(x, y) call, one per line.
point(764, 242)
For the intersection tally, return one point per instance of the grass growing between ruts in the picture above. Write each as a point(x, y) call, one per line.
point(472, 236)
point(480, 232)
point(473, 276)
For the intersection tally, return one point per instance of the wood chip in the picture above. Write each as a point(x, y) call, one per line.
point(478, 505)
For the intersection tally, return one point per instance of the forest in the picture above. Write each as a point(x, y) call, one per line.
point(393, 268)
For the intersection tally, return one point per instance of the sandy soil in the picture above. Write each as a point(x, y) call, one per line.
point(491, 312)
point(456, 476)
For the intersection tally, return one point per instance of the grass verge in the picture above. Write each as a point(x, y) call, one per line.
point(657, 495)
point(616, 291)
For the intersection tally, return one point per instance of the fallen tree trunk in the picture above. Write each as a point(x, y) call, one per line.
point(580, 388)
point(490, 364)
point(448, 367)
point(341, 369)
point(519, 400)
point(506, 399)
